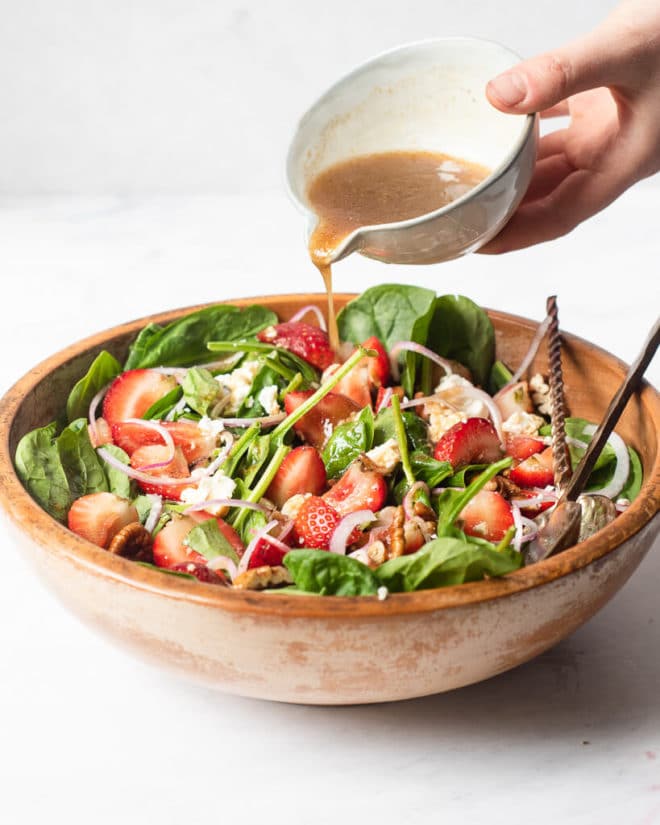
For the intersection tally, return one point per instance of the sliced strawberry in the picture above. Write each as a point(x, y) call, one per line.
point(133, 392)
point(356, 385)
point(522, 446)
point(98, 517)
point(201, 572)
point(308, 342)
point(514, 399)
point(177, 468)
point(195, 443)
point(469, 442)
point(487, 516)
point(317, 426)
point(100, 433)
point(379, 367)
point(315, 523)
point(535, 509)
point(357, 489)
point(169, 549)
point(266, 554)
point(302, 471)
point(226, 529)
point(535, 471)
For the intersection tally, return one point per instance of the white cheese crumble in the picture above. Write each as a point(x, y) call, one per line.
point(386, 456)
point(540, 391)
point(211, 427)
point(268, 400)
point(292, 506)
point(210, 487)
point(237, 384)
point(522, 423)
point(382, 593)
point(452, 406)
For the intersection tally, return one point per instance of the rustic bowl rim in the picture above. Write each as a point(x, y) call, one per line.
point(23, 512)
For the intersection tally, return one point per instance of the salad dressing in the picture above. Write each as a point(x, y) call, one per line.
point(385, 187)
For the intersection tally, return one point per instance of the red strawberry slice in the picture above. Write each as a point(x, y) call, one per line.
point(98, 517)
point(302, 471)
point(522, 446)
point(514, 399)
point(266, 554)
point(535, 471)
point(317, 425)
point(308, 342)
point(194, 443)
point(177, 468)
point(226, 529)
point(379, 366)
point(201, 572)
point(487, 516)
point(381, 395)
point(315, 523)
point(133, 392)
point(169, 550)
point(357, 489)
point(100, 433)
point(469, 442)
point(356, 386)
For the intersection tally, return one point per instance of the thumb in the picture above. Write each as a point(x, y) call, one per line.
point(544, 81)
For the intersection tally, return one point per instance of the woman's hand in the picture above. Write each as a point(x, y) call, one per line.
point(609, 84)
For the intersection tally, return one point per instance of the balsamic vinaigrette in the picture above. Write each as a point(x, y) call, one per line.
point(381, 188)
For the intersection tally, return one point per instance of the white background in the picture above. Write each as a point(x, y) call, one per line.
point(141, 165)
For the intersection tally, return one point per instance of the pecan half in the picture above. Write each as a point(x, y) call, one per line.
point(259, 578)
point(132, 542)
point(397, 536)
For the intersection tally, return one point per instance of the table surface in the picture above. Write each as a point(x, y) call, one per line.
point(89, 733)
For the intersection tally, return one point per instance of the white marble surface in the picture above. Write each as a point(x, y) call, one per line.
point(88, 734)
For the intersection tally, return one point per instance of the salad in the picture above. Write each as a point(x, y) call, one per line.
point(244, 452)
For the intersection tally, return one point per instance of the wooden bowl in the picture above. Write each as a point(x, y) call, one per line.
point(333, 650)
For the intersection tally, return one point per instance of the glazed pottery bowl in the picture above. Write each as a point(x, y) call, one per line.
point(422, 96)
point(329, 650)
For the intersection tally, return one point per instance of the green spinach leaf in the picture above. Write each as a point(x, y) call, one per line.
point(160, 409)
point(329, 574)
point(635, 477)
point(103, 369)
point(252, 406)
point(200, 390)
point(184, 342)
point(417, 430)
point(39, 467)
point(500, 375)
point(461, 330)
point(575, 429)
point(81, 465)
point(347, 442)
point(446, 561)
point(207, 539)
point(118, 483)
point(427, 469)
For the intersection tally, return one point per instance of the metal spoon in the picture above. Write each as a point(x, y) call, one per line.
point(562, 527)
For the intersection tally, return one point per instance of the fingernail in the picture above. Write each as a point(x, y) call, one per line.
point(509, 88)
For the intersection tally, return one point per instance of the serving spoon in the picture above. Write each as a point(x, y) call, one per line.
point(577, 516)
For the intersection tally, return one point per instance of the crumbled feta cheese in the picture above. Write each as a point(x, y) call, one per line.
point(522, 423)
point(238, 383)
point(382, 593)
point(327, 428)
point(540, 394)
point(209, 488)
point(268, 400)
point(442, 417)
point(209, 426)
point(451, 390)
point(386, 456)
point(292, 506)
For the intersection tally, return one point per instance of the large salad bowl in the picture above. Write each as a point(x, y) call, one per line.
point(307, 649)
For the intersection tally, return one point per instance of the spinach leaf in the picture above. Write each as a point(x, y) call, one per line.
point(81, 465)
point(443, 562)
point(200, 390)
point(416, 429)
point(393, 313)
point(635, 477)
point(184, 342)
point(429, 470)
point(256, 456)
point(282, 358)
point(347, 442)
point(329, 574)
point(161, 408)
point(463, 331)
point(207, 539)
point(178, 573)
point(500, 375)
point(575, 429)
point(103, 369)
point(39, 467)
point(462, 477)
point(266, 377)
point(143, 505)
point(118, 483)
point(252, 521)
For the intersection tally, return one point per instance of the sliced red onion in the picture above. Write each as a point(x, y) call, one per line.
point(343, 530)
point(517, 522)
point(531, 353)
point(575, 442)
point(276, 542)
point(534, 501)
point(219, 460)
point(531, 528)
point(416, 402)
point(436, 491)
point(385, 400)
point(310, 308)
point(622, 469)
point(164, 434)
point(409, 498)
point(288, 527)
point(93, 404)
point(361, 555)
point(265, 421)
point(154, 513)
point(412, 346)
point(178, 408)
point(225, 502)
point(224, 563)
point(249, 550)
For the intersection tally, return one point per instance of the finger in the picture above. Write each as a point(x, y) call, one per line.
point(582, 194)
point(549, 173)
point(558, 110)
point(554, 143)
point(545, 81)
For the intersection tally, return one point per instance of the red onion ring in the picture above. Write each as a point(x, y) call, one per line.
point(411, 346)
point(225, 502)
point(93, 404)
point(310, 308)
point(154, 513)
point(530, 354)
point(224, 563)
point(408, 499)
point(276, 542)
point(385, 400)
point(622, 469)
point(164, 434)
point(249, 550)
point(265, 421)
point(345, 527)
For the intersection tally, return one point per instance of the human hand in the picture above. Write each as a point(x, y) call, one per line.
point(609, 84)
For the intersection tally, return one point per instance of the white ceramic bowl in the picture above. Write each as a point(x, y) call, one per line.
point(423, 96)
